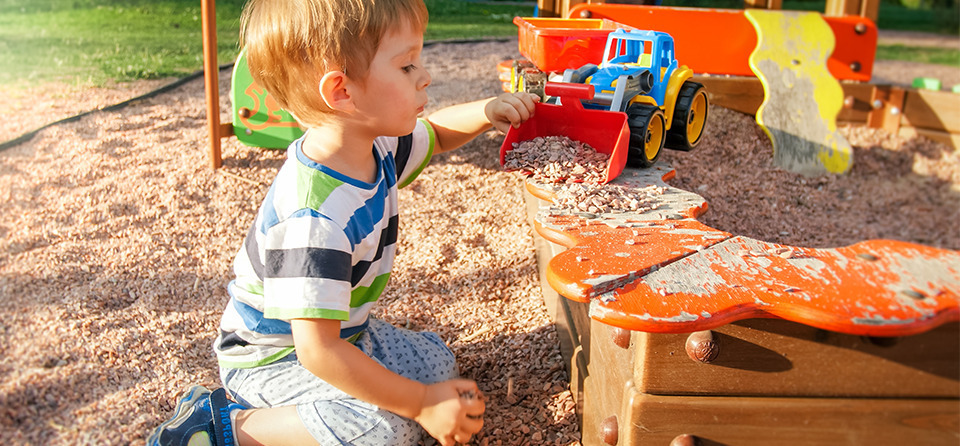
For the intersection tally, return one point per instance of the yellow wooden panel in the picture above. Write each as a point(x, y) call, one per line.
point(802, 98)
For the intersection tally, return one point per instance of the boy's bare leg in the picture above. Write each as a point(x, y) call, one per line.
point(273, 426)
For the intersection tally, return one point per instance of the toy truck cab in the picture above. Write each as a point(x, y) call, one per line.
point(644, 55)
point(640, 76)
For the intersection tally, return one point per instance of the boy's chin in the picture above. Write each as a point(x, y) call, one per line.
point(406, 130)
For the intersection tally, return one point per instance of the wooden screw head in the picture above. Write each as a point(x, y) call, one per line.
point(609, 430)
point(621, 337)
point(685, 440)
point(703, 346)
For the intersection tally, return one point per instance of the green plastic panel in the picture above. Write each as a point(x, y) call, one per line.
point(258, 120)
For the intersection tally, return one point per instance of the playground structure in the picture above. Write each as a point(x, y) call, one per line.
point(792, 53)
point(776, 337)
point(932, 114)
point(676, 331)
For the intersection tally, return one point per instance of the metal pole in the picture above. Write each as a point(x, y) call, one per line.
point(211, 78)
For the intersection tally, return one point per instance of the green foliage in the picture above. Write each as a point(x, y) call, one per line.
point(457, 19)
point(940, 56)
point(95, 41)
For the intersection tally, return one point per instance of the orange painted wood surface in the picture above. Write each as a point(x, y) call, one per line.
point(719, 41)
point(663, 271)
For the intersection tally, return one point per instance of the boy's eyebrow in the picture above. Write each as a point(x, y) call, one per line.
point(412, 49)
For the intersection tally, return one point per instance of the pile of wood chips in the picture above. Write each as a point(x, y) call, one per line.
point(557, 159)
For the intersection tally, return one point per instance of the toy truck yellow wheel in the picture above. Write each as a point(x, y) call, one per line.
point(689, 117)
point(647, 134)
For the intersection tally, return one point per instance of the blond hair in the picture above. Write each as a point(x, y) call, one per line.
point(291, 44)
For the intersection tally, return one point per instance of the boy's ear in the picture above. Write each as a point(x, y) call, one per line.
point(334, 91)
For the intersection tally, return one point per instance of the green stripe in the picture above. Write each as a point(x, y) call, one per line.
point(314, 186)
point(305, 313)
point(251, 287)
point(426, 160)
point(365, 294)
point(251, 364)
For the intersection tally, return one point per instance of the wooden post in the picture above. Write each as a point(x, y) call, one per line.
point(866, 8)
point(763, 4)
point(211, 72)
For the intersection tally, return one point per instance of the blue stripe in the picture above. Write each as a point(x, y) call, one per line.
point(389, 166)
point(254, 320)
point(363, 219)
point(307, 212)
point(268, 211)
point(306, 161)
point(350, 331)
point(387, 237)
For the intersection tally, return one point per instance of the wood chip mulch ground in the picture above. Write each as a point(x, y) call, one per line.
point(116, 242)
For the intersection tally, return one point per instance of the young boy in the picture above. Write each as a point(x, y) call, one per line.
point(298, 351)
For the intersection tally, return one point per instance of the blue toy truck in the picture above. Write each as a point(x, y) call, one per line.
point(640, 76)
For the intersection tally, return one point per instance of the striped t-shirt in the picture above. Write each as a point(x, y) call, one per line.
point(322, 246)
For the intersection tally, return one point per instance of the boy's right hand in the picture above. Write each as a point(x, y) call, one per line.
point(510, 109)
point(452, 411)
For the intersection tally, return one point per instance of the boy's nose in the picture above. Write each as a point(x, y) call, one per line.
point(425, 81)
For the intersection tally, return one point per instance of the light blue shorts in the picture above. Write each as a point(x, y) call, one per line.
point(334, 417)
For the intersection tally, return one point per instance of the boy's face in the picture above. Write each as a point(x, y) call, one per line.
point(394, 92)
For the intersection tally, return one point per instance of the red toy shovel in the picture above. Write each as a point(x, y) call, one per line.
point(606, 131)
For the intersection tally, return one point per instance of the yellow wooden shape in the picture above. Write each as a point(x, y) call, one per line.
point(801, 97)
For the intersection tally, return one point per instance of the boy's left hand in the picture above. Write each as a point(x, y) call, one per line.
point(510, 109)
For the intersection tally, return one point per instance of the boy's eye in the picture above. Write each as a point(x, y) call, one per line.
point(409, 68)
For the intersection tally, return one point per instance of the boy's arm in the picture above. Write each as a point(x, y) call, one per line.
point(437, 407)
point(456, 125)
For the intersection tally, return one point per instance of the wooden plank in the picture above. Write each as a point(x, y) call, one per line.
point(789, 421)
point(887, 110)
point(856, 102)
point(866, 8)
point(936, 113)
point(742, 94)
point(934, 110)
point(745, 94)
point(949, 139)
point(763, 4)
point(610, 373)
point(777, 357)
point(548, 8)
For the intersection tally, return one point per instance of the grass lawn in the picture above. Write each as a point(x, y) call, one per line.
point(94, 41)
point(91, 42)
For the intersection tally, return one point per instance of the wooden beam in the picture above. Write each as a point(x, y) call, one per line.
point(933, 114)
point(887, 108)
point(763, 4)
point(211, 82)
point(866, 8)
